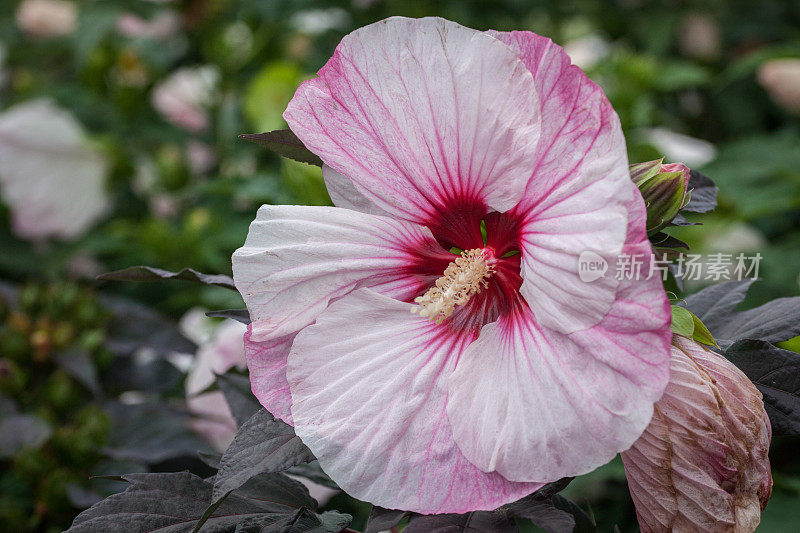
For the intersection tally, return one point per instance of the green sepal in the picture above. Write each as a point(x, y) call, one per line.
point(687, 324)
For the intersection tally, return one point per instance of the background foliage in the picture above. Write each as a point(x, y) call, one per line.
point(185, 198)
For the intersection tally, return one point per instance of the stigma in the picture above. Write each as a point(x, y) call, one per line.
point(466, 276)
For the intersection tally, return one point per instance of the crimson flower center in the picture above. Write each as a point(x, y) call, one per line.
point(467, 275)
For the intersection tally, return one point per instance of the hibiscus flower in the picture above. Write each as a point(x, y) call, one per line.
point(430, 337)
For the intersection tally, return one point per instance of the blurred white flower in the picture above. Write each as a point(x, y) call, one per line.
point(678, 147)
point(739, 237)
point(46, 18)
point(50, 178)
point(184, 97)
point(586, 51)
point(781, 79)
point(317, 21)
point(161, 27)
point(699, 37)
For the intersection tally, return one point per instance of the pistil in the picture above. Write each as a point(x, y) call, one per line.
point(466, 276)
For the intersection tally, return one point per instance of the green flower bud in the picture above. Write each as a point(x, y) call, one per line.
point(664, 189)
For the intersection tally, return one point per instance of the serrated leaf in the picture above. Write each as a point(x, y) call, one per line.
point(714, 303)
point(150, 433)
point(313, 472)
point(381, 519)
point(333, 522)
point(177, 502)
point(703, 193)
point(774, 322)
point(263, 444)
point(212, 459)
point(776, 373)
point(539, 508)
point(583, 522)
point(284, 143)
point(146, 273)
point(238, 395)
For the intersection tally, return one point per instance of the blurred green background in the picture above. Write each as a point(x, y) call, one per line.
point(154, 94)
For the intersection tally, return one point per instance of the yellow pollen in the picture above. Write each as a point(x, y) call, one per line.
point(467, 275)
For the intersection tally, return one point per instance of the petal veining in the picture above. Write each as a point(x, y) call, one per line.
point(296, 259)
point(418, 112)
point(369, 400)
point(532, 403)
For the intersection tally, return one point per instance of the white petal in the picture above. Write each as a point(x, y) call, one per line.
point(52, 181)
point(296, 259)
point(369, 384)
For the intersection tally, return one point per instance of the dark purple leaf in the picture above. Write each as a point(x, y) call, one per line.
point(704, 193)
point(776, 373)
point(284, 143)
point(146, 273)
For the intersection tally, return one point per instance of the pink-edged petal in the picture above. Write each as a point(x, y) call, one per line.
point(702, 464)
point(369, 385)
point(266, 361)
point(344, 194)
point(418, 112)
point(296, 259)
point(554, 245)
point(579, 192)
point(532, 403)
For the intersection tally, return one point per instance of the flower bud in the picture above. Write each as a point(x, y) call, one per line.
point(664, 188)
point(702, 464)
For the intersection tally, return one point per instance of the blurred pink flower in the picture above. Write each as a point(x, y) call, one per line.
point(50, 177)
point(218, 354)
point(781, 79)
point(702, 463)
point(161, 27)
point(200, 157)
point(46, 18)
point(184, 97)
point(699, 37)
point(435, 381)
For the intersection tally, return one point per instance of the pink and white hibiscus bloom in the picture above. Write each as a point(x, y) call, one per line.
point(435, 381)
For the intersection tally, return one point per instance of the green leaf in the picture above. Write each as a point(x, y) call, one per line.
point(284, 143)
point(682, 321)
point(701, 333)
point(268, 94)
